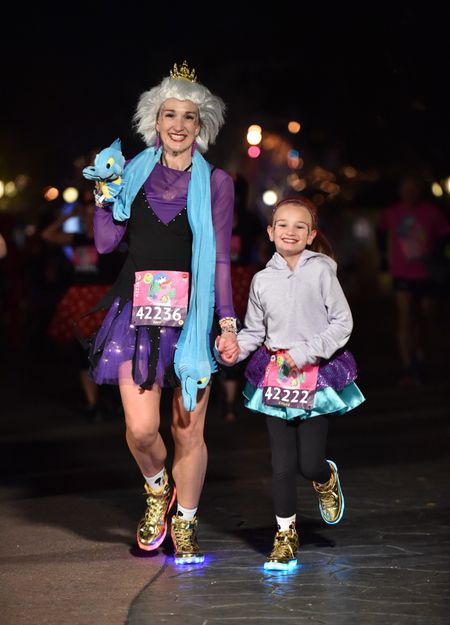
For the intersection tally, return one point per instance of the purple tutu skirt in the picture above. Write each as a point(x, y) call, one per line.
point(336, 391)
point(132, 354)
point(336, 373)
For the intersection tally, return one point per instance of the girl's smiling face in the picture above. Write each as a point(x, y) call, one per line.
point(291, 230)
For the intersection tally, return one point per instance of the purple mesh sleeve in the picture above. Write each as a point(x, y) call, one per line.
point(107, 232)
point(222, 201)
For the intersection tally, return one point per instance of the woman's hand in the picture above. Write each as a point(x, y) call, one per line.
point(228, 347)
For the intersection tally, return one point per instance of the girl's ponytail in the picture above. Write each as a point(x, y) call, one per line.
point(322, 245)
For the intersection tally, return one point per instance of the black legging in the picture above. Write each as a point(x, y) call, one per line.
point(296, 445)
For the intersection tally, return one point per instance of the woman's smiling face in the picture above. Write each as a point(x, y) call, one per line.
point(178, 124)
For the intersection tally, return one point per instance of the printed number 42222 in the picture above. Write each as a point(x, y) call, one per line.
point(292, 396)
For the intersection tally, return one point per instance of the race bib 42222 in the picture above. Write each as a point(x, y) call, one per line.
point(289, 386)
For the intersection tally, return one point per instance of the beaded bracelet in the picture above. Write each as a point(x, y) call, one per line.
point(228, 324)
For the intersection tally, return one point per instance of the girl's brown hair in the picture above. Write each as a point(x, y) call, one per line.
point(320, 243)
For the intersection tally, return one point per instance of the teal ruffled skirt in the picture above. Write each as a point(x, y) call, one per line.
point(326, 401)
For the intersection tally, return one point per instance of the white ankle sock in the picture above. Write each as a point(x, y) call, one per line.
point(186, 513)
point(285, 523)
point(158, 481)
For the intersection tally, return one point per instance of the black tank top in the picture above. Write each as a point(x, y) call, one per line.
point(153, 245)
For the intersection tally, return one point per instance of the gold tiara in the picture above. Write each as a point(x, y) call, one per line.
point(184, 73)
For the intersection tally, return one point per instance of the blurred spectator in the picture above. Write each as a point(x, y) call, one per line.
point(3, 248)
point(412, 234)
point(91, 279)
point(241, 276)
point(3, 298)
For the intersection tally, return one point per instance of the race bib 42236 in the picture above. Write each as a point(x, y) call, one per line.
point(160, 298)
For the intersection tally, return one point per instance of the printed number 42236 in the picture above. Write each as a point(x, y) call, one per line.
point(158, 313)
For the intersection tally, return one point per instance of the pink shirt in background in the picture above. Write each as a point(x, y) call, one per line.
point(413, 233)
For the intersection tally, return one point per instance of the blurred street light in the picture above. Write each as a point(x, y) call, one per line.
point(254, 134)
point(436, 189)
point(270, 198)
point(10, 189)
point(294, 127)
point(254, 151)
point(70, 194)
point(51, 193)
point(293, 159)
point(349, 171)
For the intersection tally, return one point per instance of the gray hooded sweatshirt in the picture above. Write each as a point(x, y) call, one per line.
point(303, 311)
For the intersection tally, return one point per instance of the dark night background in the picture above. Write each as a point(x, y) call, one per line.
point(369, 85)
point(369, 81)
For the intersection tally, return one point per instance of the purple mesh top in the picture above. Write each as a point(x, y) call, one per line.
point(166, 191)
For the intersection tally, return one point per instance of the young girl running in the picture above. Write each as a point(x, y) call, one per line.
point(300, 320)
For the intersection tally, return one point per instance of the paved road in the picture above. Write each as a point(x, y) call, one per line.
point(71, 497)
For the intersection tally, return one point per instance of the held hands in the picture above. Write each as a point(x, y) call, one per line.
point(105, 192)
point(228, 347)
point(99, 198)
point(289, 360)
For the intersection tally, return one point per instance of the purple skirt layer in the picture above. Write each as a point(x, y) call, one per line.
point(118, 342)
point(337, 372)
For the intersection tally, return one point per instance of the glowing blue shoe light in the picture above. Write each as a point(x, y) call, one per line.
point(280, 566)
point(190, 560)
point(284, 553)
point(184, 538)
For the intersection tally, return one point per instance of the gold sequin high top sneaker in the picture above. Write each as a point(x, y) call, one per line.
point(184, 537)
point(152, 528)
point(331, 499)
point(284, 552)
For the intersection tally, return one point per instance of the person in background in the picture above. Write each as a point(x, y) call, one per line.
point(242, 272)
point(3, 247)
point(411, 233)
point(90, 281)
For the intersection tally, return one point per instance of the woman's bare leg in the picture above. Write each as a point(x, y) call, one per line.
point(191, 455)
point(142, 418)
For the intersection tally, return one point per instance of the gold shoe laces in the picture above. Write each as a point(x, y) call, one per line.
point(329, 499)
point(155, 508)
point(185, 537)
point(282, 548)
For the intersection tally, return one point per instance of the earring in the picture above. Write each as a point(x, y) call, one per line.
point(158, 140)
point(194, 147)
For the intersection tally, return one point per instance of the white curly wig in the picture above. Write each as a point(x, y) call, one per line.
point(211, 109)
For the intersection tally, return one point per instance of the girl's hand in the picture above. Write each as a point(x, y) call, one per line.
point(289, 360)
point(228, 347)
